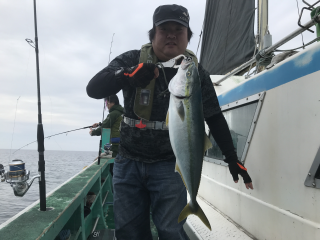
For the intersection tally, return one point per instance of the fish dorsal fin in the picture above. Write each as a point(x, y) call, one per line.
point(180, 110)
point(207, 143)
point(177, 169)
point(167, 119)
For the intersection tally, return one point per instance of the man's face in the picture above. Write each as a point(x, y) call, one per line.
point(170, 40)
point(109, 105)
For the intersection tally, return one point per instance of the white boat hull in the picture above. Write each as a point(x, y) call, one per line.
point(283, 147)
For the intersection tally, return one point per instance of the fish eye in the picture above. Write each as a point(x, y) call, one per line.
point(188, 74)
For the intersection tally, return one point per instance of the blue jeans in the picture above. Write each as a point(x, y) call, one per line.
point(137, 186)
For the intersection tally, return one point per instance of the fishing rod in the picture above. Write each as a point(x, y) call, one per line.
point(18, 175)
point(104, 107)
point(40, 134)
point(56, 135)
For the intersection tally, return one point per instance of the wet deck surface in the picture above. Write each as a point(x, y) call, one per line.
point(222, 228)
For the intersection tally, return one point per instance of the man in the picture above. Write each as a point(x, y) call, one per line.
point(144, 168)
point(112, 121)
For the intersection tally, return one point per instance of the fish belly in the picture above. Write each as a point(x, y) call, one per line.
point(187, 140)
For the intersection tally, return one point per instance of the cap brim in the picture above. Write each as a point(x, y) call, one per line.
point(172, 20)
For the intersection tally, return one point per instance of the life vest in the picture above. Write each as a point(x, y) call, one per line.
point(144, 96)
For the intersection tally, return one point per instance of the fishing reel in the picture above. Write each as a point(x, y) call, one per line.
point(17, 177)
point(107, 148)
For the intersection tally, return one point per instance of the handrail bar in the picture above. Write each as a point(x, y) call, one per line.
point(270, 49)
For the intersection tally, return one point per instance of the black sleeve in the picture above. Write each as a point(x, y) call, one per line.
point(214, 117)
point(209, 98)
point(221, 134)
point(104, 84)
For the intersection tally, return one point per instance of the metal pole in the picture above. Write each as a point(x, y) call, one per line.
point(262, 20)
point(270, 49)
point(40, 135)
point(100, 143)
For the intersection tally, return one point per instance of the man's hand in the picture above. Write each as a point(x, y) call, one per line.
point(95, 125)
point(138, 76)
point(235, 168)
point(90, 132)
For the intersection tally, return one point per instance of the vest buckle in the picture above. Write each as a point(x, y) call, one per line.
point(158, 125)
point(141, 125)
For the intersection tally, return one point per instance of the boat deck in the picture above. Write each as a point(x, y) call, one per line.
point(69, 207)
point(68, 203)
point(222, 226)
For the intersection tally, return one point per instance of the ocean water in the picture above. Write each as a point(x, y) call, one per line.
point(59, 167)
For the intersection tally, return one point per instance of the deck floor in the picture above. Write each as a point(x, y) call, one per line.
point(222, 228)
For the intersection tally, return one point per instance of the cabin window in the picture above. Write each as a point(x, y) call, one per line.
point(241, 117)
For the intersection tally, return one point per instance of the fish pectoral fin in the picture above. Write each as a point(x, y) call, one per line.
point(180, 110)
point(177, 169)
point(207, 143)
point(167, 119)
point(196, 210)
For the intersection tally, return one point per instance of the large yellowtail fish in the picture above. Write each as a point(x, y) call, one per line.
point(187, 132)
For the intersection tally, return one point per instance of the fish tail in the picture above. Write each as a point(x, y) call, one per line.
point(203, 217)
point(196, 210)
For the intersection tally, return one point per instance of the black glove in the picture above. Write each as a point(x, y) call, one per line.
point(137, 76)
point(235, 168)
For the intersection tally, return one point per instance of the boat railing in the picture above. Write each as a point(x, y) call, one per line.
point(312, 22)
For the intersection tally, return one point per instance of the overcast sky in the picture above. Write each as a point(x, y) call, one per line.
point(74, 42)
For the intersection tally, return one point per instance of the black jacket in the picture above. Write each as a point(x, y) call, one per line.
point(154, 145)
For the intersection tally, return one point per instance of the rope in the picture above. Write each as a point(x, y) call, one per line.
point(254, 53)
point(263, 59)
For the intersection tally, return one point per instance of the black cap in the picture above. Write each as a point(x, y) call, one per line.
point(175, 13)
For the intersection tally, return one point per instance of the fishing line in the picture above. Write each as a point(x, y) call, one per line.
point(201, 29)
point(48, 92)
point(165, 79)
point(111, 47)
point(200, 38)
point(51, 123)
point(199, 43)
point(104, 107)
point(57, 144)
point(15, 115)
point(53, 136)
point(26, 73)
point(14, 124)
